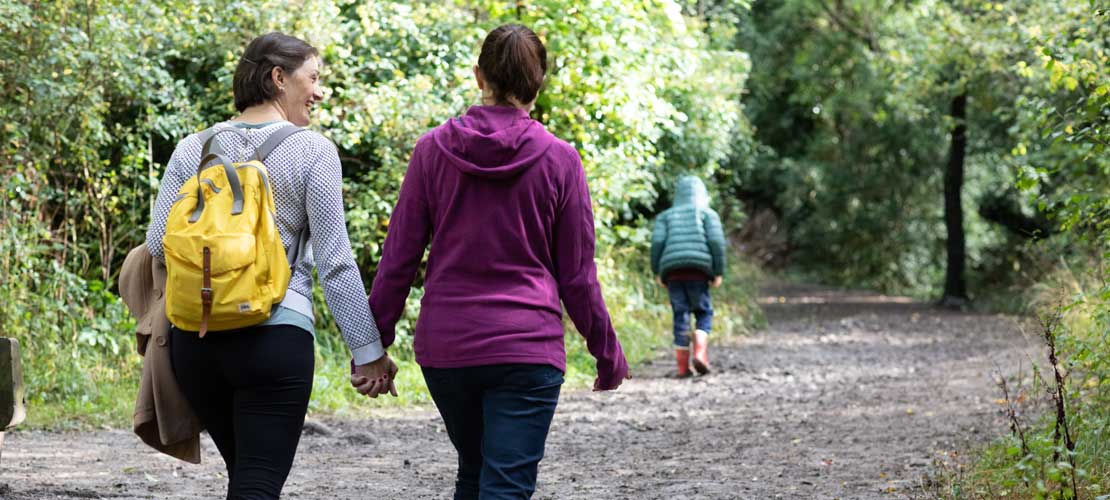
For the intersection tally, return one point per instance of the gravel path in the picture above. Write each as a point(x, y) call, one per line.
point(845, 395)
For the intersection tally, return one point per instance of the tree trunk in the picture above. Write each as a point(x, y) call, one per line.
point(955, 285)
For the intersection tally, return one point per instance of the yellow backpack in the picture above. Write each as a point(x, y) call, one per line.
point(226, 266)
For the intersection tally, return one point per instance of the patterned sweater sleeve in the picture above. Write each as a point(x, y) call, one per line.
point(335, 262)
point(176, 174)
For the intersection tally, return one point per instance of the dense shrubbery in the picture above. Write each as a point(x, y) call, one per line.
point(853, 99)
point(96, 95)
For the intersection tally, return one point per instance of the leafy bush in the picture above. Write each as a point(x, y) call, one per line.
point(76, 336)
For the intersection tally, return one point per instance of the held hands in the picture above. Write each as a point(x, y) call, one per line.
point(375, 378)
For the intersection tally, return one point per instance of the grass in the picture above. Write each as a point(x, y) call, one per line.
point(1002, 471)
point(110, 406)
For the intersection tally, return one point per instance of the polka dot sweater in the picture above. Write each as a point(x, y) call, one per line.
point(307, 181)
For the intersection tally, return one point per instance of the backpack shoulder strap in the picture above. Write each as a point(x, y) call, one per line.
point(297, 249)
point(298, 252)
point(274, 140)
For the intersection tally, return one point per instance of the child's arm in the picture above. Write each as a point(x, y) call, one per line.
point(658, 242)
point(717, 243)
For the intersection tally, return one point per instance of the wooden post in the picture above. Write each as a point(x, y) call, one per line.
point(12, 411)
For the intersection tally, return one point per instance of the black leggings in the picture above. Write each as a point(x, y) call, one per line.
point(250, 389)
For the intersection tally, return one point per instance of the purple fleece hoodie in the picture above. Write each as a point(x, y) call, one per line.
point(507, 209)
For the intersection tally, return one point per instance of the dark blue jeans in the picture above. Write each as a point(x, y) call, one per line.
point(690, 297)
point(497, 416)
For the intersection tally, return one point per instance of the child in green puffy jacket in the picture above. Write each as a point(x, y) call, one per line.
point(687, 256)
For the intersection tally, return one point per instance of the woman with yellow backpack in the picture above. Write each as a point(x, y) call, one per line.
point(245, 210)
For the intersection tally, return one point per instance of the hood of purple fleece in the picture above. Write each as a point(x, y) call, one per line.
point(493, 141)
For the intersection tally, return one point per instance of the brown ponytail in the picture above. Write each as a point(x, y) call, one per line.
point(513, 62)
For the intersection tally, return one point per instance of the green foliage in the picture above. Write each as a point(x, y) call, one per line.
point(74, 331)
point(853, 97)
point(1066, 117)
point(852, 176)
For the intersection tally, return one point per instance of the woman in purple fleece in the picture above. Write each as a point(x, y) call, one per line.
point(507, 210)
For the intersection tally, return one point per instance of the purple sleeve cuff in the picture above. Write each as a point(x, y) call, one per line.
point(610, 373)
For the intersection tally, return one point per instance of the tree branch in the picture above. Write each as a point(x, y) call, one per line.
point(1004, 211)
point(868, 38)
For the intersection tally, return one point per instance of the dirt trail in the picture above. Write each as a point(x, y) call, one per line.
point(845, 395)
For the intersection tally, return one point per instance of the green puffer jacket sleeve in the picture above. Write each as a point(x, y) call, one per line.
point(716, 238)
point(658, 242)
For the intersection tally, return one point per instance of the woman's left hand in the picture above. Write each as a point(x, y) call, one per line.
point(598, 387)
point(610, 376)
